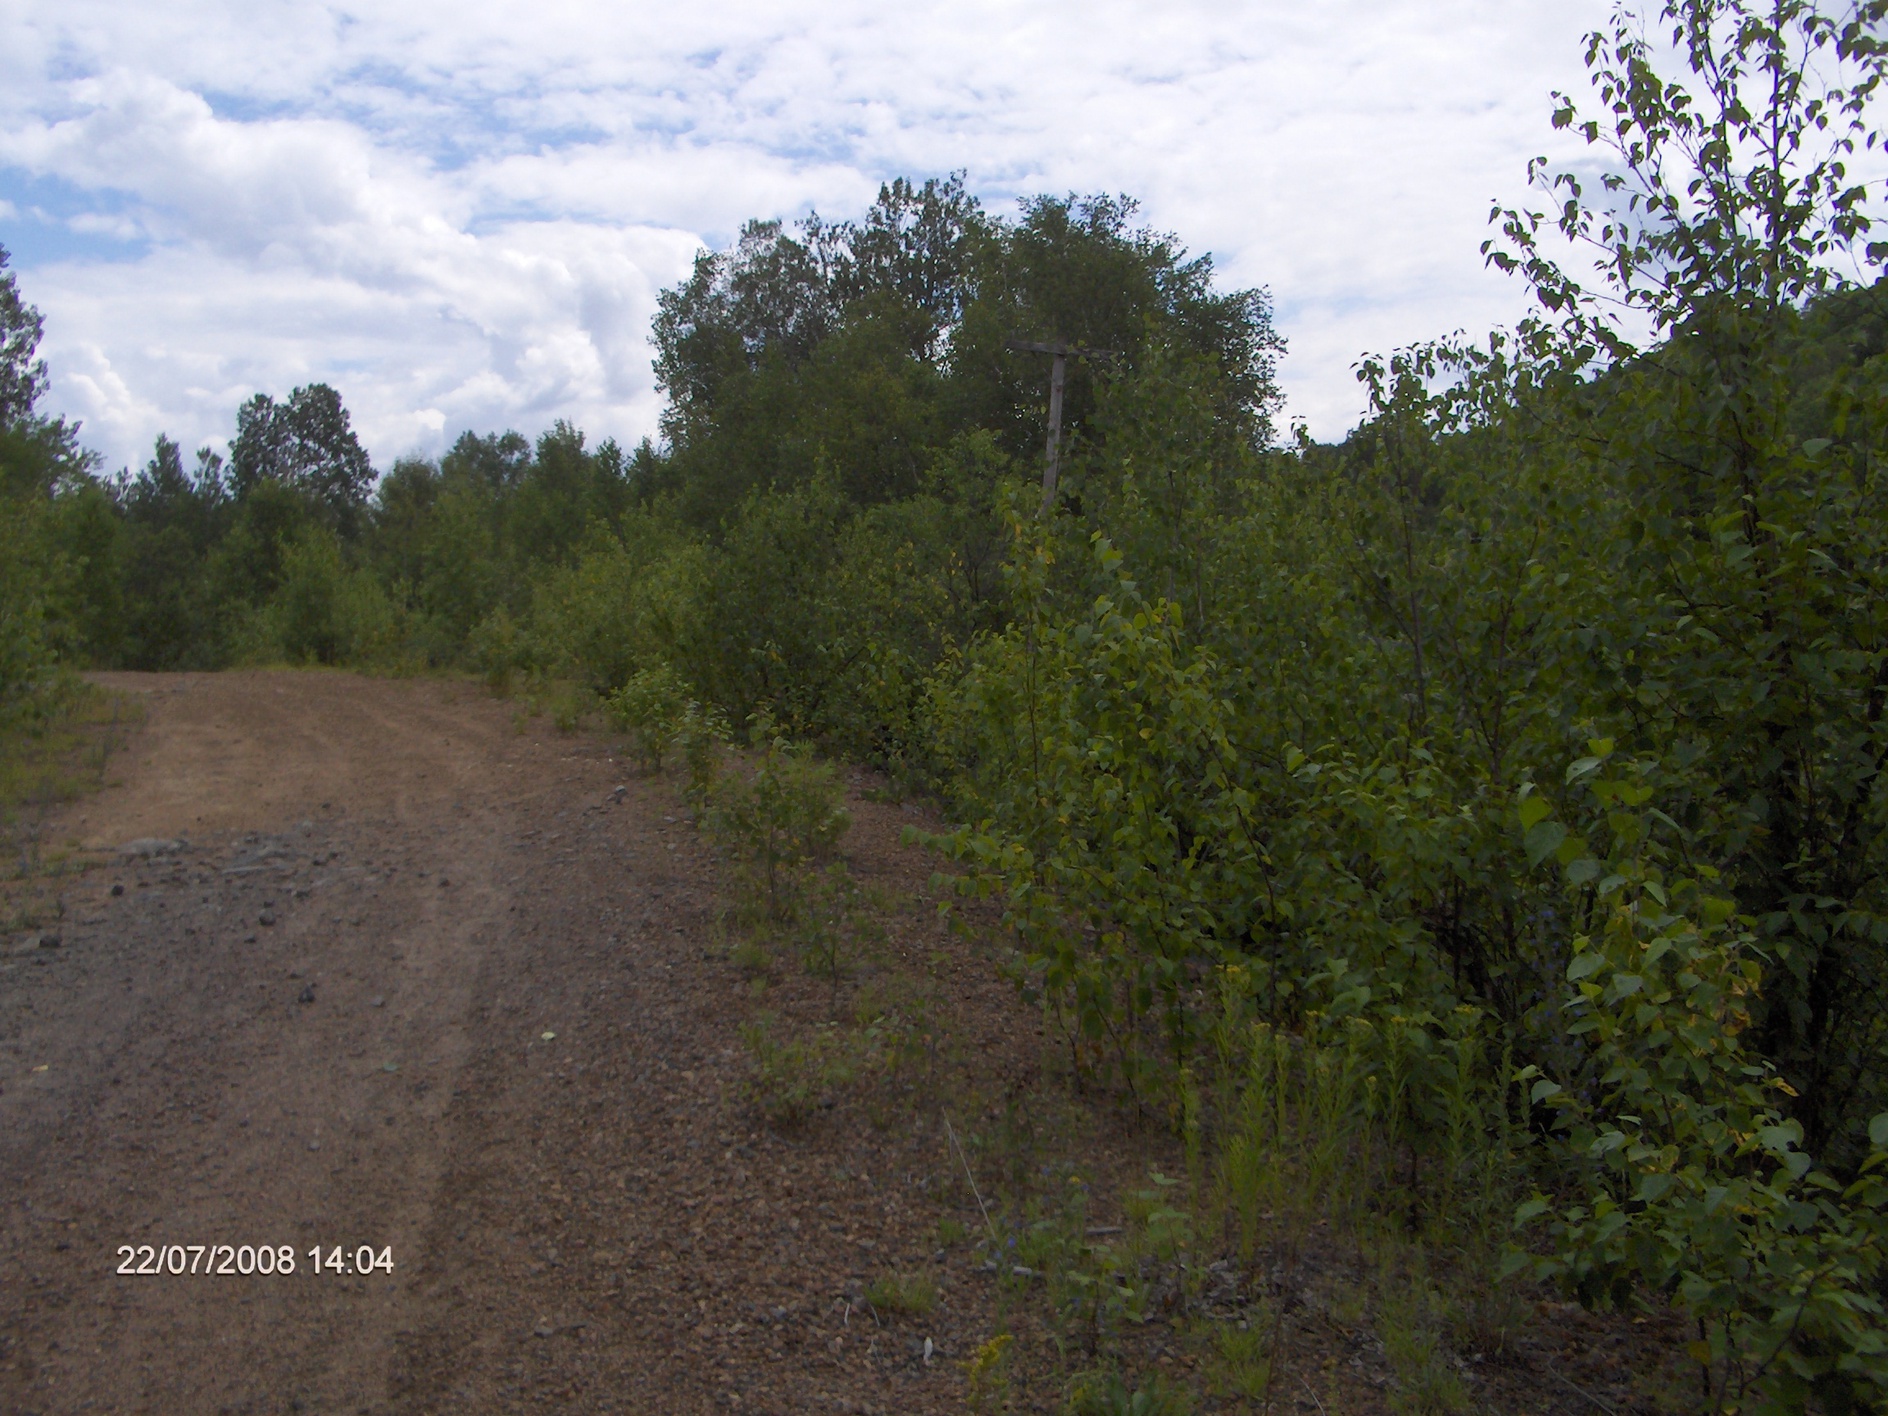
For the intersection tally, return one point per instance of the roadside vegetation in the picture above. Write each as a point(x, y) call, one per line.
point(1467, 841)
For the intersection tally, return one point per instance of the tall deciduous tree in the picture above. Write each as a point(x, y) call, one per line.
point(1747, 642)
point(868, 345)
point(308, 444)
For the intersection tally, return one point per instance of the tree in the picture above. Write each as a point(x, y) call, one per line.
point(22, 377)
point(38, 455)
point(916, 244)
point(497, 461)
point(174, 521)
point(1078, 269)
point(1746, 643)
point(305, 444)
point(1735, 191)
point(868, 344)
point(768, 297)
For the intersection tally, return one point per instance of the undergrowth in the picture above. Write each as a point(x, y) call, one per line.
point(54, 754)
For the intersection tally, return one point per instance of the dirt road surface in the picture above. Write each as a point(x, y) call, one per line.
point(395, 980)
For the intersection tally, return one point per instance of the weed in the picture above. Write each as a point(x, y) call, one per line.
point(902, 1293)
point(60, 752)
point(897, 1017)
point(829, 915)
point(1409, 1325)
point(54, 754)
point(1485, 1312)
point(750, 956)
point(1105, 1394)
point(987, 1374)
point(1166, 1228)
point(950, 1232)
point(1244, 1365)
point(570, 704)
point(790, 1079)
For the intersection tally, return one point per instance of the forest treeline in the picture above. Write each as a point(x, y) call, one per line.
point(1521, 754)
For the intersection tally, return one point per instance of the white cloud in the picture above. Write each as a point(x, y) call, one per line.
point(460, 214)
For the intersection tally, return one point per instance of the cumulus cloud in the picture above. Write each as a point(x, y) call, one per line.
point(460, 215)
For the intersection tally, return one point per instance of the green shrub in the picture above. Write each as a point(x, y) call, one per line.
point(497, 650)
point(322, 611)
point(650, 707)
point(790, 1079)
point(774, 822)
point(1694, 1181)
point(621, 607)
point(701, 734)
point(27, 632)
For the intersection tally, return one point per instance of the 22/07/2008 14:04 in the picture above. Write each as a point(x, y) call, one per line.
point(246, 1259)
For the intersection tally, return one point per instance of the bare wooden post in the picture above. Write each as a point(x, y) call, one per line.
point(1058, 375)
point(1058, 371)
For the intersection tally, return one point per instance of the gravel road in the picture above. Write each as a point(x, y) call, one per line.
point(390, 976)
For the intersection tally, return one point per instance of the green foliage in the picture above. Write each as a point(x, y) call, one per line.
point(701, 734)
point(792, 1078)
point(55, 548)
point(27, 633)
point(1410, 1325)
point(322, 610)
point(1744, 640)
point(1698, 1184)
point(1101, 753)
point(650, 708)
point(1107, 1394)
point(22, 377)
point(907, 1294)
point(1244, 1366)
point(172, 523)
point(774, 819)
point(830, 918)
point(1263, 754)
point(619, 606)
point(866, 348)
point(308, 446)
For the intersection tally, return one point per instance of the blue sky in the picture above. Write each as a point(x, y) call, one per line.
point(460, 214)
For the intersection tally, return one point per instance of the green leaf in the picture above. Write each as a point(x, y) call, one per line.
point(1878, 1132)
point(1581, 768)
point(1780, 1138)
point(1585, 965)
point(1654, 1187)
point(1543, 839)
point(1533, 811)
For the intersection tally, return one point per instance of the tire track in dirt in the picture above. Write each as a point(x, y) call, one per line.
point(182, 1072)
point(488, 1029)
